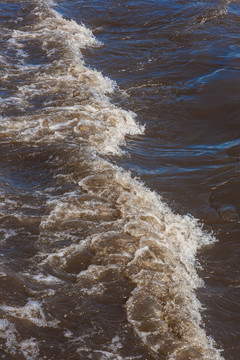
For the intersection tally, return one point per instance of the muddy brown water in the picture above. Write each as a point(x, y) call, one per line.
point(119, 180)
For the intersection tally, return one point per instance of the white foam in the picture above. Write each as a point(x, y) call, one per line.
point(68, 334)
point(104, 125)
point(173, 275)
point(162, 267)
point(28, 347)
point(32, 312)
point(103, 355)
point(5, 234)
point(43, 279)
point(9, 333)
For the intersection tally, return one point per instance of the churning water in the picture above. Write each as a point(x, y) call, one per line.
point(93, 262)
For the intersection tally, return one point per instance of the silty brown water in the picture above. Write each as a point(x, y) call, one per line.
point(94, 264)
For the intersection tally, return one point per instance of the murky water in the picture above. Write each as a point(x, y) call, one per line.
point(118, 120)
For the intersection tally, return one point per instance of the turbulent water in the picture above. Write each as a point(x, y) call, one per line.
point(93, 262)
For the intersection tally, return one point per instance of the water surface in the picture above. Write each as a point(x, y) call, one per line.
point(119, 129)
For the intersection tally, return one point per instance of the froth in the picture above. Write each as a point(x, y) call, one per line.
point(85, 112)
point(32, 312)
point(28, 347)
point(149, 245)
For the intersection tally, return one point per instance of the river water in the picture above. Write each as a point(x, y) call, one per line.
point(119, 186)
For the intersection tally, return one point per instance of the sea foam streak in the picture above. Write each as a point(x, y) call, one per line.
point(100, 226)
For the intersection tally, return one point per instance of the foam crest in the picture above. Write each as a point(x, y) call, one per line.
point(163, 270)
point(151, 246)
point(86, 113)
point(54, 26)
point(215, 14)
